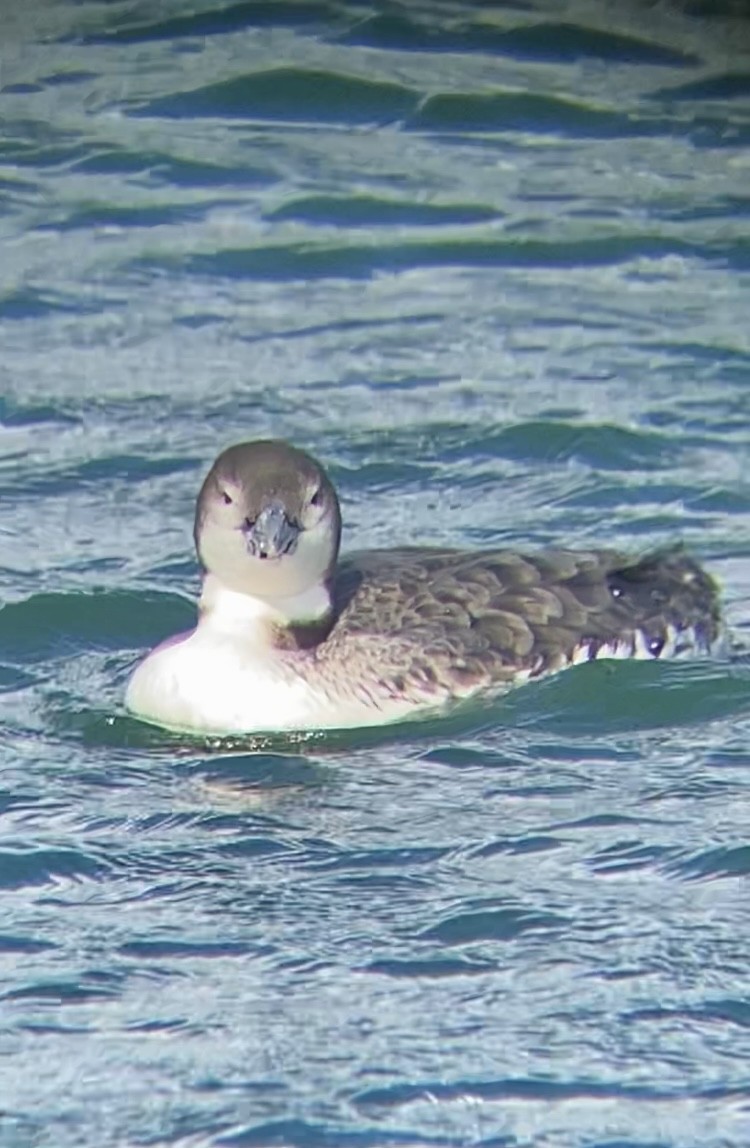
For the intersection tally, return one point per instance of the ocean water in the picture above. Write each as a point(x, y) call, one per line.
point(491, 263)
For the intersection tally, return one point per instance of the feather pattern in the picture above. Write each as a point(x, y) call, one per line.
point(430, 624)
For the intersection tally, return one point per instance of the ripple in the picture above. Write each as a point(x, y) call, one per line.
point(15, 189)
point(628, 857)
point(603, 446)
point(21, 867)
point(374, 859)
point(15, 944)
point(463, 757)
point(396, 1096)
point(457, 114)
point(432, 968)
point(298, 261)
point(301, 1134)
point(138, 468)
point(31, 303)
point(568, 41)
point(15, 414)
point(92, 987)
point(292, 95)
point(491, 924)
point(734, 1012)
point(54, 625)
point(179, 171)
point(370, 211)
point(726, 861)
point(529, 112)
point(727, 86)
point(66, 77)
point(45, 148)
point(210, 950)
point(533, 843)
point(128, 468)
point(545, 41)
point(628, 696)
point(122, 218)
point(232, 18)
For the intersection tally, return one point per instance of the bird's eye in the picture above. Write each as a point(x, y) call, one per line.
point(317, 498)
point(226, 498)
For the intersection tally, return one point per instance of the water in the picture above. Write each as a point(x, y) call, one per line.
point(489, 262)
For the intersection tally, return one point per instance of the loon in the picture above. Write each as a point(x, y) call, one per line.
point(290, 637)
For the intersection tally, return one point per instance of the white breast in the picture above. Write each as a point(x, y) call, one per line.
point(216, 684)
point(225, 676)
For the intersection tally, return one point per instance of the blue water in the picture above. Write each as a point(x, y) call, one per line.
point(490, 263)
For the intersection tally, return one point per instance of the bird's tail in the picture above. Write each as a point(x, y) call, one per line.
point(672, 602)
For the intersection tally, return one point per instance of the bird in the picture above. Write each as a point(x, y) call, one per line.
point(292, 637)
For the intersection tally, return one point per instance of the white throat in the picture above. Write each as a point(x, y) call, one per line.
point(222, 609)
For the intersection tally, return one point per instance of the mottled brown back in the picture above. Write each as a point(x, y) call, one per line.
point(452, 621)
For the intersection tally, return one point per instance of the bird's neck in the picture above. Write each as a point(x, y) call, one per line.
point(297, 621)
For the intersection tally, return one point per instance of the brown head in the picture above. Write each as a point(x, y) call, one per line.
point(267, 520)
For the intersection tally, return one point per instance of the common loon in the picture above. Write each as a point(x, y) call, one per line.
point(289, 637)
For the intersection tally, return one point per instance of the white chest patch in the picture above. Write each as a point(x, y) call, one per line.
point(226, 676)
point(214, 683)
